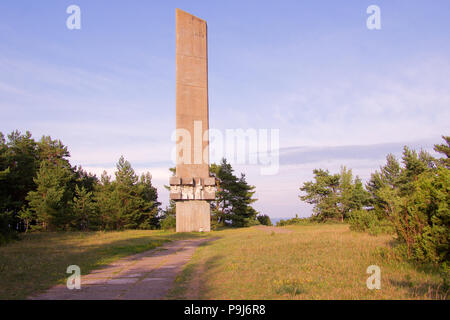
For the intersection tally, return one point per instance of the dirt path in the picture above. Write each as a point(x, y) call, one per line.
point(144, 276)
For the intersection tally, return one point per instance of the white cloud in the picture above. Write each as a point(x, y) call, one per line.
point(378, 108)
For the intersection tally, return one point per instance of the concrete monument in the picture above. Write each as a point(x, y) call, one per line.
point(192, 185)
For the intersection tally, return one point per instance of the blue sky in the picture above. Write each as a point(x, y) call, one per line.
point(339, 93)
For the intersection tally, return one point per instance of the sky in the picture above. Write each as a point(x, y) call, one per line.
point(339, 93)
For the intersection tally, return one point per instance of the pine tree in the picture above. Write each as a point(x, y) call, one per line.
point(85, 179)
point(243, 214)
point(149, 207)
point(53, 151)
point(416, 202)
point(414, 164)
point(106, 203)
point(345, 192)
point(387, 180)
point(322, 193)
point(264, 220)
point(5, 215)
point(334, 196)
point(234, 197)
point(222, 207)
point(18, 166)
point(444, 149)
point(127, 200)
point(360, 197)
point(49, 202)
point(84, 210)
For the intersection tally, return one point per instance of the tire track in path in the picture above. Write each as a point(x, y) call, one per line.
point(145, 276)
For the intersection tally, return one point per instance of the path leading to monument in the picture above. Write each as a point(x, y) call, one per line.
point(147, 275)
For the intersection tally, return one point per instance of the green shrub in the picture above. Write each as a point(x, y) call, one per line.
point(169, 223)
point(249, 222)
point(295, 221)
point(361, 220)
point(264, 220)
point(364, 220)
point(421, 215)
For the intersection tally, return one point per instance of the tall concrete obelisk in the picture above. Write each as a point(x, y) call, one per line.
point(192, 185)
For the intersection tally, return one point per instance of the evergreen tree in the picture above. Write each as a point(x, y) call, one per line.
point(222, 207)
point(322, 193)
point(50, 201)
point(415, 199)
point(106, 203)
point(444, 149)
point(334, 196)
point(234, 197)
point(243, 214)
point(264, 220)
point(84, 179)
point(5, 215)
point(388, 179)
point(53, 151)
point(413, 165)
point(360, 197)
point(426, 214)
point(127, 200)
point(84, 210)
point(18, 166)
point(346, 194)
point(149, 207)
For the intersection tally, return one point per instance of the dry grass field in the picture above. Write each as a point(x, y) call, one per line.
point(301, 262)
point(40, 260)
point(310, 262)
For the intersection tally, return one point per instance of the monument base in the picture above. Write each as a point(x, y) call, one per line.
point(193, 215)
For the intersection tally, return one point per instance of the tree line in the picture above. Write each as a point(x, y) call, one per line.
point(41, 190)
point(409, 197)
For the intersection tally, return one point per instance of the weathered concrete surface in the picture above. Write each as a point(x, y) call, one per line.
point(192, 119)
point(193, 215)
point(144, 276)
point(192, 95)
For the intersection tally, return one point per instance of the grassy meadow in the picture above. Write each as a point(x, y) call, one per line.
point(40, 260)
point(295, 262)
point(309, 262)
